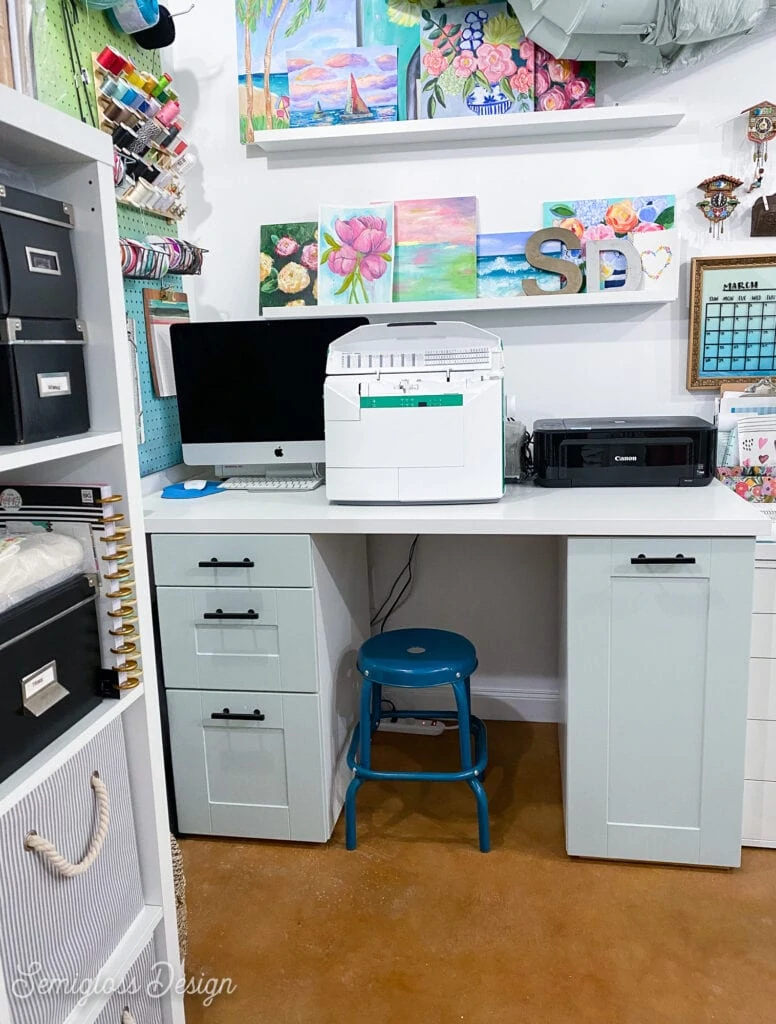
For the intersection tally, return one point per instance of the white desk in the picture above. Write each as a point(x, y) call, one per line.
point(655, 656)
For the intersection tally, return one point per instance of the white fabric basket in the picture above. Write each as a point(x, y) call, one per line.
point(68, 925)
point(137, 1000)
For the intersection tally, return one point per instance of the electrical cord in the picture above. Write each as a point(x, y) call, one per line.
point(407, 567)
point(406, 589)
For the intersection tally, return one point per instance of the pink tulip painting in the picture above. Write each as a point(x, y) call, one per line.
point(356, 251)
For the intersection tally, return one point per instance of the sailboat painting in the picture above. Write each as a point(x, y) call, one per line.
point(345, 86)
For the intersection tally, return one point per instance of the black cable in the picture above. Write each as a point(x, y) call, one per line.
point(406, 586)
point(73, 65)
point(405, 568)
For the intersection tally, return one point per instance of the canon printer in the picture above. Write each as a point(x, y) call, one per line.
point(660, 451)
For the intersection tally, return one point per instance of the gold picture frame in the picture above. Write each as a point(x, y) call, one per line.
point(729, 304)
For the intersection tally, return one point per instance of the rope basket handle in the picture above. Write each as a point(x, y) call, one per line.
point(126, 1017)
point(37, 844)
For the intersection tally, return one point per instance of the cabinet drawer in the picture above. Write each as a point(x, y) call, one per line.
point(765, 550)
point(760, 811)
point(762, 688)
point(271, 646)
point(760, 751)
point(625, 551)
point(232, 560)
point(765, 589)
point(763, 636)
point(258, 776)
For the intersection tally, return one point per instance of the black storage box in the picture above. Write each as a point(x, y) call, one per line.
point(37, 273)
point(49, 669)
point(42, 380)
point(659, 451)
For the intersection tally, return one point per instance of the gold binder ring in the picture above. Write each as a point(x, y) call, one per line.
point(128, 666)
point(117, 556)
point(127, 629)
point(123, 612)
point(120, 592)
point(125, 648)
point(111, 500)
point(120, 574)
point(129, 684)
point(115, 537)
point(114, 517)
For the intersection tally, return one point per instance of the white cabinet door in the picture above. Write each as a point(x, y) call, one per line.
point(656, 697)
point(248, 764)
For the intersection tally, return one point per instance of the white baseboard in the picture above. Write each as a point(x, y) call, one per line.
point(510, 704)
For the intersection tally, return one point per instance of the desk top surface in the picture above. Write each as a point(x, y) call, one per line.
point(712, 511)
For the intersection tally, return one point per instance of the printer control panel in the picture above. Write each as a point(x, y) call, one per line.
point(476, 357)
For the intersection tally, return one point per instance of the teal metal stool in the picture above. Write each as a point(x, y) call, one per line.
point(418, 658)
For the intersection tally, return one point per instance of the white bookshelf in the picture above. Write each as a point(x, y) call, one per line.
point(512, 129)
point(74, 163)
point(582, 300)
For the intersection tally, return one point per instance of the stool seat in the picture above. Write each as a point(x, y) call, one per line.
point(417, 657)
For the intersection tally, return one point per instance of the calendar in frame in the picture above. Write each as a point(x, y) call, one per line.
point(732, 321)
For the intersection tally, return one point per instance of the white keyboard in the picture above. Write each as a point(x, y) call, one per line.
point(263, 483)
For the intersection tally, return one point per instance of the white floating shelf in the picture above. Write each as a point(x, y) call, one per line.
point(611, 297)
point(18, 456)
point(516, 128)
point(32, 132)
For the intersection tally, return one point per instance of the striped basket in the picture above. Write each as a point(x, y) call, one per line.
point(137, 1000)
point(68, 925)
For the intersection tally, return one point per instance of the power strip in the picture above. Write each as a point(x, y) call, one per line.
point(422, 726)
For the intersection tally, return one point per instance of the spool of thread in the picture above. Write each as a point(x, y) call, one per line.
point(161, 85)
point(154, 106)
point(169, 112)
point(135, 78)
point(111, 60)
point(122, 90)
point(114, 112)
point(149, 84)
point(110, 87)
point(180, 147)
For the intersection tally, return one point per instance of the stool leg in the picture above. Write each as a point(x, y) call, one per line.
point(350, 812)
point(365, 756)
point(377, 704)
point(483, 821)
point(464, 723)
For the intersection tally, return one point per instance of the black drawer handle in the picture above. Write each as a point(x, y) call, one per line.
point(218, 614)
point(676, 560)
point(214, 563)
point(257, 716)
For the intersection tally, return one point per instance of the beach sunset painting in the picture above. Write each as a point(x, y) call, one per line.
point(343, 86)
point(436, 249)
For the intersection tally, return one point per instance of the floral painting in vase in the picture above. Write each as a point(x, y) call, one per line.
point(563, 84)
point(288, 264)
point(356, 246)
point(600, 219)
point(474, 60)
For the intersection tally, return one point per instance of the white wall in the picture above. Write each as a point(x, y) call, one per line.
point(564, 362)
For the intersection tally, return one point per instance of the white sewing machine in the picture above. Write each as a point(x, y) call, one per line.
point(415, 413)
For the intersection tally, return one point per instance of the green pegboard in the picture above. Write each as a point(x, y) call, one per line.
point(57, 87)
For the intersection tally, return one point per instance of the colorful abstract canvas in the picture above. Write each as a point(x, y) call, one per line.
point(288, 264)
point(436, 249)
point(502, 266)
point(599, 219)
point(357, 251)
point(396, 23)
point(342, 86)
point(265, 30)
point(474, 60)
point(563, 84)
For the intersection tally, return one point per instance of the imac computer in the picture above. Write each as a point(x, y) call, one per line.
point(250, 397)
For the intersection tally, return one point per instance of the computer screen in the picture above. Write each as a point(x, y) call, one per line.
point(252, 391)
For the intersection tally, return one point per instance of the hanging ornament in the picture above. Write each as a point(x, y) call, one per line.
point(760, 130)
point(719, 201)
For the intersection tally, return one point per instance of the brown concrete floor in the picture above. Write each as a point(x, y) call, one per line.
point(418, 927)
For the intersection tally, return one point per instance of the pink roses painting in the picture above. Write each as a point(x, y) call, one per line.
point(563, 84)
point(359, 251)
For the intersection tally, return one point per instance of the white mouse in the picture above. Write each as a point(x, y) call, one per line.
point(194, 485)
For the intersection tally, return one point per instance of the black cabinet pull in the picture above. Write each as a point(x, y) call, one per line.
point(235, 716)
point(676, 560)
point(214, 563)
point(218, 614)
